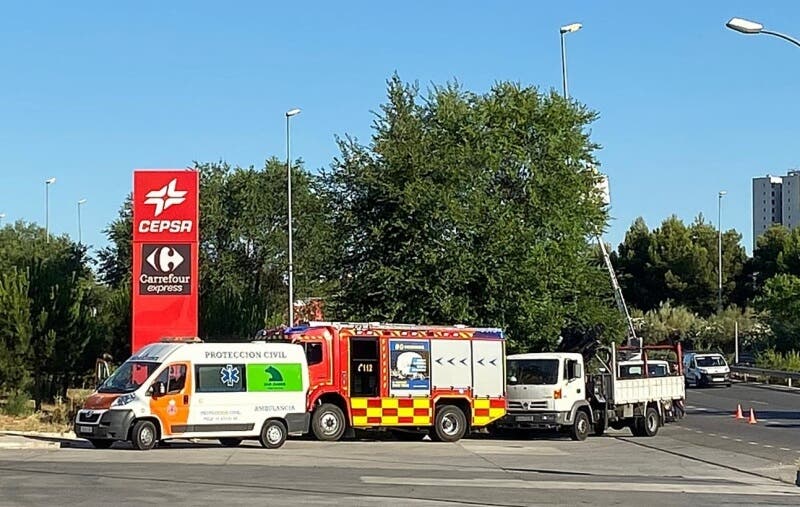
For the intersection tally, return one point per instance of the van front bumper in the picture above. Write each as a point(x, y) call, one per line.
point(111, 425)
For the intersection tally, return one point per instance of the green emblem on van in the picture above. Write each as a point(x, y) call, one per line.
point(274, 377)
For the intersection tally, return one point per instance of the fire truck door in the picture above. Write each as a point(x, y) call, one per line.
point(364, 366)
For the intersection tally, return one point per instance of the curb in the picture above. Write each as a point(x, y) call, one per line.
point(35, 440)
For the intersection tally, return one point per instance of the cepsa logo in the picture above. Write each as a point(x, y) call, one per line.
point(165, 205)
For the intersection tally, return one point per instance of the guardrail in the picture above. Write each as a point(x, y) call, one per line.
point(747, 371)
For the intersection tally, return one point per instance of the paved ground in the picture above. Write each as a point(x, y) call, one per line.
point(775, 437)
point(612, 470)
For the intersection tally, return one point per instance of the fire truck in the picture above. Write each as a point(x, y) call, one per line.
point(413, 380)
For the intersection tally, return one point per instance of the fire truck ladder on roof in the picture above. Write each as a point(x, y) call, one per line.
point(618, 297)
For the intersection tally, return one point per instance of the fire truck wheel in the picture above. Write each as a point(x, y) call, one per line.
point(328, 422)
point(450, 424)
point(144, 435)
point(273, 434)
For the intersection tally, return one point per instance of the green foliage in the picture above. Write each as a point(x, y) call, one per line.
point(780, 300)
point(772, 360)
point(679, 263)
point(49, 297)
point(471, 208)
point(17, 404)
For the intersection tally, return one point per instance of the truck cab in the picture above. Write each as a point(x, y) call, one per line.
point(548, 391)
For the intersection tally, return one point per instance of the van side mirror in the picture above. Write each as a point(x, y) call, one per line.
point(159, 389)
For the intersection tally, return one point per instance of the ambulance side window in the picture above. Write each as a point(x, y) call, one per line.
point(177, 378)
point(313, 352)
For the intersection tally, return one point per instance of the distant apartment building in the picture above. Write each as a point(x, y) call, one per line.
point(776, 200)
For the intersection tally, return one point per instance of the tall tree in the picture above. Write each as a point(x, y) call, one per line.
point(471, 208)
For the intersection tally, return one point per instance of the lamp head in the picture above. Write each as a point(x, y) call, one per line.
point(292, 112)
point(50, 181)
point(744, 26)
point(574, 27)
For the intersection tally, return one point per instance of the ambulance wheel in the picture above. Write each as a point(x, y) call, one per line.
point(328, 422)
point(144, 435)
point(230, 442)
point(450, 424)
point(100, 443)
point(273, 434)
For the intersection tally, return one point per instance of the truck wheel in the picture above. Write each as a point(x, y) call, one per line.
point(230, 442)
point(328, 422)
point(144, 435)
point(650, 423)
point(450, 424)
point(580, 427)
point(100, 443)
point(273, 434)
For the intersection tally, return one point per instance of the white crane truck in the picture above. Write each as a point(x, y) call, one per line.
point(553, 391)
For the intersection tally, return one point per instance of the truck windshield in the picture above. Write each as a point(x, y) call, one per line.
point(707, 361)
point(533, 371)
point(128, 377)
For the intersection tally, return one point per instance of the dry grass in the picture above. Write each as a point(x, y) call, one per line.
point(40, 421)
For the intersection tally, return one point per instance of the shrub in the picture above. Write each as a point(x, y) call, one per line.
point(18, 405)
point(771, 360)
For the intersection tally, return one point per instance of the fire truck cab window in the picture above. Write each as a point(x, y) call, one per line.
point(364, 367)
point(313, 352)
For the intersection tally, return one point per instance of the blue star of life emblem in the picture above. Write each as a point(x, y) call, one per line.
point(229, 375)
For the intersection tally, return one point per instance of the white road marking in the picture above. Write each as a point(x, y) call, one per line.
point(697, 431)
point(739, 488)
point(712, 434)
point(758, 402)
point(785, 449)
point(768, 446)
point(738, 439)
point(723, 436)
point(516, 449)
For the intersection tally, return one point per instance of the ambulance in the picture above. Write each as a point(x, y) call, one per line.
point(187, 389)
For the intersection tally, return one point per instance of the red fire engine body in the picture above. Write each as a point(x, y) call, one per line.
point(417, 380)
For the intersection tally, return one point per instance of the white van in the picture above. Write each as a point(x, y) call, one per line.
point(190, 389)
point(703, 370)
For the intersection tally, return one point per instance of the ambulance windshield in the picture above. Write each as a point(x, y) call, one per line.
point(128, 377)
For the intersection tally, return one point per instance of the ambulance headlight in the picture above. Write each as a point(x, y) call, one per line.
point(123, 400)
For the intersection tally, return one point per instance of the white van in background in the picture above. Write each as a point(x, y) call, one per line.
point(704, 370)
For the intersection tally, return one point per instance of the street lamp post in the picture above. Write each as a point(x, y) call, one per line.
point(289, 114)
point(574, 27)
point(80, 203)
point(47, 184)
point(2, 216)
point(719, 247)
point(753, 28)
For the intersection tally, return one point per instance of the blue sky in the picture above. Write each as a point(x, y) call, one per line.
point(89, 93)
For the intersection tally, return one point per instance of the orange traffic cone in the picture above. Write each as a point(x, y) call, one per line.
point(752, 419)
point(738, 414)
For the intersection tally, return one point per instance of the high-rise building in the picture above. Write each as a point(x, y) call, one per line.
point(790, 197)
point(768, 203)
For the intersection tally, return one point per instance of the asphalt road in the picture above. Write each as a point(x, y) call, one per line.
point(776, 435)
point(611, 470)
